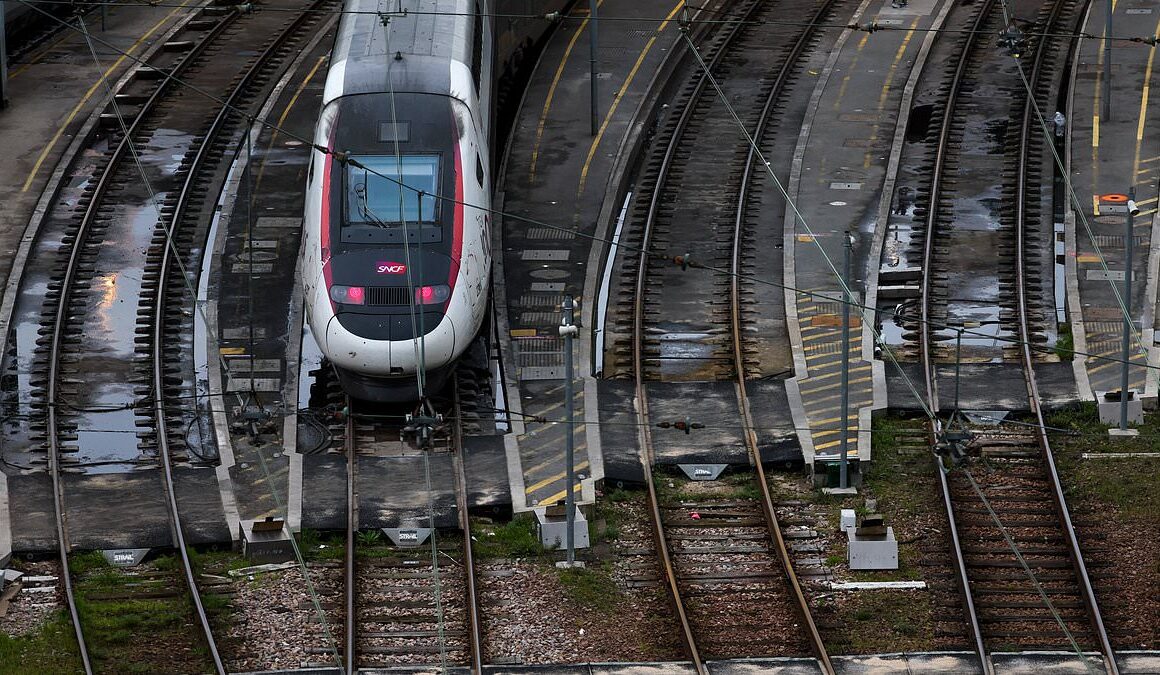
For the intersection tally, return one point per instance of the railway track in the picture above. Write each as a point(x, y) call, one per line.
point(101, 376)
point(722, 552)
point(413, 606)
point(1023, 578)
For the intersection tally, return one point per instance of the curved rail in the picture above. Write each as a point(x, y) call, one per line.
point(187, 193)
point(1029, 371)
point(638, 343)
point(184, 199)
point(1025, 350)
point(67, 281)
point(929, 373)
point(815, 638)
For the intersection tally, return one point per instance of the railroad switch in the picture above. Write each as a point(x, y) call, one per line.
point(422, 424)
point(255, 419)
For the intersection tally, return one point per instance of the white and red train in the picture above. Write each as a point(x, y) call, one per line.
point(397, 254)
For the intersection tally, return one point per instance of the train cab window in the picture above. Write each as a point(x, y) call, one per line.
point(477, 49)
point(478, 169)
point(373, 197)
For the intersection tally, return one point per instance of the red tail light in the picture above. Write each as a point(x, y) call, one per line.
point(348, 295)
point(432, 295)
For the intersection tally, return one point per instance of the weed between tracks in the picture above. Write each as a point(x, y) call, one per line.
point(51, 649)
point(119, 606)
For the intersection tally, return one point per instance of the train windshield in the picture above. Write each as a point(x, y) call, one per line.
point(391, 190)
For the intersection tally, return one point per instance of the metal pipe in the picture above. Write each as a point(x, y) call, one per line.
point(568, 330)
point(1129, 236)
point(843, 463)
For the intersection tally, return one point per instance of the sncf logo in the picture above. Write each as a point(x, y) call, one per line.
point(390, 268)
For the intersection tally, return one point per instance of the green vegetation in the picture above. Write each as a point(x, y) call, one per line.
point(591, 587)
point(882, 621)
point(517, 539)
point(117, 607)
point(1128, 484)
point(83, 563)
point(1065, 343)
point(52, 649)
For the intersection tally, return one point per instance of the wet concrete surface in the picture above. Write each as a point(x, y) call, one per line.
point(777, 438)
point(96, 506)
point(620, 433)
point(485, 463)
point(982, 386)
point(713, 404)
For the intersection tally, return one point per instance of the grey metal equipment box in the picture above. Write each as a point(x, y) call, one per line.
point(872, 546)
point(267, 541)
point(1109, 403)
point(552, 524)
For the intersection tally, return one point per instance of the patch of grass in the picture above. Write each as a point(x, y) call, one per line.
point(517, 539)
point(167, 563)
point(1065, 343)
point(884, 621)
point(370, 537)
point(620, 495)
point(591, 587)
point(834, 560)
point(83, 563)
point(52, 649)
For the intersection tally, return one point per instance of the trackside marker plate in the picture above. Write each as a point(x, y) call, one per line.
point(407, 536)
point(703, 471)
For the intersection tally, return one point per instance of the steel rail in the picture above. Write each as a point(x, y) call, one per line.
point(184, 199)
point(638, 342)
point(78, 245)
point(747, 176)
point(349, 563)
point(1062, 513)
point(473, 616)
point(929, 368)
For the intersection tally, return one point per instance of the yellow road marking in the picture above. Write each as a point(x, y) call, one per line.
point(1087, 258)
point(833, 444)
point(552, 95)
point(282, 118)
point(831, 432)
point(232, 351)
point(89, 94)
point(620, 95)
point(559, 495)
point(852, 69)
point(558, 458)
point(812, 390)
point(553, 478)
point(830, 376)
point(1096, 204)
point(886, 87)
point(1144, 106)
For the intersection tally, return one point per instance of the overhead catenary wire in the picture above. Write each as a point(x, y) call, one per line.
point(868, 27)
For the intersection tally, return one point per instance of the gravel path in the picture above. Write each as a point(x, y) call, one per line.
point(28, 610)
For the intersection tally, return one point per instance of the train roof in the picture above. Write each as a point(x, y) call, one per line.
point(427, 34)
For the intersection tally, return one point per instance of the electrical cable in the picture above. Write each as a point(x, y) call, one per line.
point(869, 27)
point(344, 157)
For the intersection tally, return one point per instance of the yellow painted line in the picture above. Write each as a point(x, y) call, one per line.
point(805, 238)
point(1144, 105)
point(887, 86)
point(825, 404)
point(619, 96)
point(1087, 258)
point(558, 496)
point(282, 118)
point(522, 332)
point(834, 444)
point(1095, 134)
point(829, 376)
point(553, 478)
point(1145, 201)
point(552, 95)
point(1149, 160)
point(851, 70)
point(232, 351)
point(831, 432)
point(92, 90)
point(825, 387)
point(558, 458)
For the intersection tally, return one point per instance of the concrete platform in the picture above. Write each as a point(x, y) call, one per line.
point(1108, 154)
point(557, 172)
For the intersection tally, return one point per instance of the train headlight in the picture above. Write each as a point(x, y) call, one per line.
point(432, 295)
point(348, 295)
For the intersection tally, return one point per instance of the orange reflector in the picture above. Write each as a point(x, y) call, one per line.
point(1114, 198)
